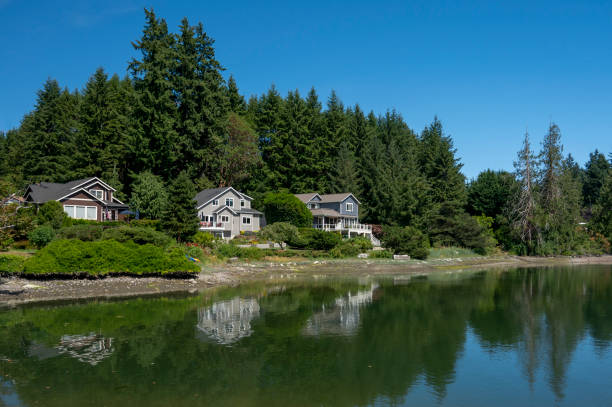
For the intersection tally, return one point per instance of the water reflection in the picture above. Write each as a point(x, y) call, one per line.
point(521, 337)
point(226, 322)
point(343, 317)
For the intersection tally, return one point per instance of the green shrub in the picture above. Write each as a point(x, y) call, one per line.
point(380, 254)
point(406, 240)
point(107, 257)
point(146, 223)
point(363, 243)
point(351, 247)
point(139, 235)
point(86, 233)
point(52, 213)
point(41, 236)
point(228, 250)
point(106, 223)
point(11, 264)
point(204, 239)
point(316, 239)
point(194, 251)
point(286, 207)
point(280, 232)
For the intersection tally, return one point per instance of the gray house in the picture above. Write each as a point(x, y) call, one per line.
point(226, 212)
point(336, 212)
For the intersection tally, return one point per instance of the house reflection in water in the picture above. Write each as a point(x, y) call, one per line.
point(343, 318)
point(226, 322)
point(91, 349)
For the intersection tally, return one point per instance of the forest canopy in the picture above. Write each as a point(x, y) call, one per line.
point(175, 113)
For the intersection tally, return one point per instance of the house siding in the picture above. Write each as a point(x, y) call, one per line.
point(83, 200)
point(235, 220)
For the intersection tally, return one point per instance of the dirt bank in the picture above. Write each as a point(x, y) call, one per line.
point(14, 291)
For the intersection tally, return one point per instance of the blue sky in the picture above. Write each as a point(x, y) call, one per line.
point(488, 70)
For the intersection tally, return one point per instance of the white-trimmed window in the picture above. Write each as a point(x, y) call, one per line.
point(98, 193)
point(349, 207)
point(81, 212)
point(246, 220)
point(229, 202)
point(224, 219)
point(215, 202)
point(206, 218)
point(313, 205)
point(242, 203)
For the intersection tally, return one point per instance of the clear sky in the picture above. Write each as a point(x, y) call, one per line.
point(489, 70)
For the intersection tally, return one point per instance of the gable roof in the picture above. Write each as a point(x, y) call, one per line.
point(341, 197)
point(307, 197)
point(223, 208)
point(327, 198)
point(205, 196)
point(52, 191)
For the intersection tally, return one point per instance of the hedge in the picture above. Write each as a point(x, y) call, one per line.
point(11, 264)
point(75, 257)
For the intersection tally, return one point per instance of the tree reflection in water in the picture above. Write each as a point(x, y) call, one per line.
point(340, 343)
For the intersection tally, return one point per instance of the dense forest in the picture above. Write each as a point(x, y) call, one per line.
point(175, 113)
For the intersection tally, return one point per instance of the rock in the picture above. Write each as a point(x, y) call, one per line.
point(401, 257)
point(362, 256)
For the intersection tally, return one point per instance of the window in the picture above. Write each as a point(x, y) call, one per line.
point(92, 213)
point(229, 202)
point(349, 207)
point(215, 202)
point(242, 203)
point(205, 218)
point(224, 219)
point(246, 220)
point(313, 205)
point(81, 212)
point(98, 193)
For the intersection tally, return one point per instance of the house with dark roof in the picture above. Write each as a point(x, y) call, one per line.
point(226, 212)
point(336, 212)
point(87, 198)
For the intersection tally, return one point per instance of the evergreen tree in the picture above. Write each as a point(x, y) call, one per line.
point(201, 97)
point(49, 135)
point(345, 177)
point(267, 117)
point(153, 138)
point(602, 210)
point(550, 162)
point(236, 102)
point(596, 170)
point(180, 218)
point(104, 126)
point(149, 196)
point(490, 193)
point(315, 163)
point(440, 166)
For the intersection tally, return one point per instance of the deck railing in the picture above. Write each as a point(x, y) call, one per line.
point(340, 226)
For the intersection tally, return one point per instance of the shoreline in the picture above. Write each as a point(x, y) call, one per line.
point(15, 291)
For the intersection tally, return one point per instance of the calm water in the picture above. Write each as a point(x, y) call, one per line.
point(535, 337)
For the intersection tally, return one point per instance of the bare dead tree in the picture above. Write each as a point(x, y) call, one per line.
point(524, 210)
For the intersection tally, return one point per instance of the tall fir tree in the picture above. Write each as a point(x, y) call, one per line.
point(201, 97)
point(236, 102)
point(596, 170)
point(153, 138)
point(49, 135)
point(180, 218)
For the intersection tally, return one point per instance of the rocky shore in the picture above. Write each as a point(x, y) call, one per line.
point(15, 291)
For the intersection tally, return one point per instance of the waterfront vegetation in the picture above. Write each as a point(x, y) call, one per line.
point(157, 141)
point(472, 338)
